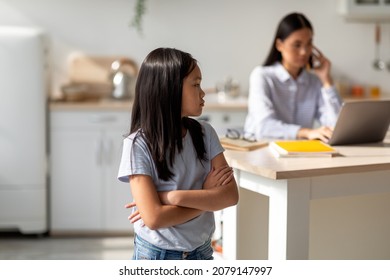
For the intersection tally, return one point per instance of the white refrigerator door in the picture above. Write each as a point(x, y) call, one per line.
point(22, 128)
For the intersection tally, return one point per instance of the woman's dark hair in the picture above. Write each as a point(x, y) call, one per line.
point(156, 112)
point(288, 24)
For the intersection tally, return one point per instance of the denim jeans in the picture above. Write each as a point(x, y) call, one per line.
point(144, 250)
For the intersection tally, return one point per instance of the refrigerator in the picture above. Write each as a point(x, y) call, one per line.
point(23, 130)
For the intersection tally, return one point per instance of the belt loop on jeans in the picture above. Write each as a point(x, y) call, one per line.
point(184, 255)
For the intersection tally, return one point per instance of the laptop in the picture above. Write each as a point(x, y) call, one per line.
point(360, 122)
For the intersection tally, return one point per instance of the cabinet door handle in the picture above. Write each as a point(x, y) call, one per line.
point(102, 119)
point(226, 118)
point(107, 151)
point(98, 152)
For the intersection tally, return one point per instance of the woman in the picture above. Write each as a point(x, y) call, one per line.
point(294, 88)
point(175, 165)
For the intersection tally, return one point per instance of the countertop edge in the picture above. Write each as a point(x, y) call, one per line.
point(262, 163)
point(126, 105)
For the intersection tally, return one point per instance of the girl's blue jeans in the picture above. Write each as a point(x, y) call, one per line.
point(144, 250)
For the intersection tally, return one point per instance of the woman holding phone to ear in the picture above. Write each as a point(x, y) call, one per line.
point(294, 88)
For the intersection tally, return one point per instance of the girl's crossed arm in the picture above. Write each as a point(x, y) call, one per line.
point(157, 211)
point(219, 190)
point(154, 214)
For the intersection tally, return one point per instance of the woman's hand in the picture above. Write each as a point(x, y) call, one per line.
point(324, 133)
point(218, 176)
point(321, 67)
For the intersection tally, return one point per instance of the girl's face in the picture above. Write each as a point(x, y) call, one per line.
point(296, 49)
point(192, 97)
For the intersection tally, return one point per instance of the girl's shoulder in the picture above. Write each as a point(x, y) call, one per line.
point(206, 126)
point(209, 133)
point(135, 138)
point(202, 128)
point(196, 124)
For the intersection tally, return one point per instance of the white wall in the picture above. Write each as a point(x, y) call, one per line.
point(228, 37)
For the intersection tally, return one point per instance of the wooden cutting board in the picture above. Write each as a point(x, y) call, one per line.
point(84, 68)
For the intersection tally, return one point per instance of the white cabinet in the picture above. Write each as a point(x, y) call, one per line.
point(365, 10)
point(85, 150)
point(223, 119)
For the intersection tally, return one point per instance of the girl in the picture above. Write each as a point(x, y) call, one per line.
point(175, 165)
point(285, 99)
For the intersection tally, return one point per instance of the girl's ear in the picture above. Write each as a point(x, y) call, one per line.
point(278, 44)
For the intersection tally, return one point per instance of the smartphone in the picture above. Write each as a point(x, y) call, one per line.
point(313, 61)
point(309, 65)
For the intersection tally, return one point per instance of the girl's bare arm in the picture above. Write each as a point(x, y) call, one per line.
point(223, 194)
point(154, 214)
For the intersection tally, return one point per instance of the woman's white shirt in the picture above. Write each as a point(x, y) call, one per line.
point(278, 105)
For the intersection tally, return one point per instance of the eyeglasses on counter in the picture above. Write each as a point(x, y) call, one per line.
point(234, 134)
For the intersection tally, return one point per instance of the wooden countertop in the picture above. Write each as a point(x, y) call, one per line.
point(211, 103)
point(352, 159)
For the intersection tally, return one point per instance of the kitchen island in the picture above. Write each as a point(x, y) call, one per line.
point(291, 184)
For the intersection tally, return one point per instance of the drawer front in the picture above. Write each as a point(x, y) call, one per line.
point(89, 119)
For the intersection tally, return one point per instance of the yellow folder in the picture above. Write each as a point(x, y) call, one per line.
point(301, 148)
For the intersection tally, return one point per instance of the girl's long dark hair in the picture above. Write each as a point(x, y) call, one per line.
point(156, 112)
point(288, 24)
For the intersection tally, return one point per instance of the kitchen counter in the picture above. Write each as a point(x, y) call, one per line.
point(352, 159)
point(211, 103)
point(291, 184)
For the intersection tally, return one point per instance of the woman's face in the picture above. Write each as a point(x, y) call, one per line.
point(192, 96)
point(296, 49)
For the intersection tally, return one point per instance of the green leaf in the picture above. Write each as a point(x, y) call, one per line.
point(140, 9)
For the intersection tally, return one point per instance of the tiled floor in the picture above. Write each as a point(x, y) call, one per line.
point(17, 247)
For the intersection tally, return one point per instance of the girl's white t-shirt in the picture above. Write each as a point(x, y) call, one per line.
point(190, 174)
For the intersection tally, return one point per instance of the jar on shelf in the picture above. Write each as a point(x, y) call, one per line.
point(375, 92)
point(357, 91)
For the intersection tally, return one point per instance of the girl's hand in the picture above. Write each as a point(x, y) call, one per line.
point(135, 216)
point(321, 67)
point(130, 205)
point(164, 197)
point(218, 176)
